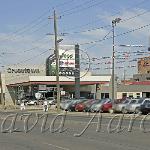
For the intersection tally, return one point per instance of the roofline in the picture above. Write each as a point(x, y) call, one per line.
point(61, 83)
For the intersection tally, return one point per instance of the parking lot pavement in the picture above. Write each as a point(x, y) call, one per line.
point(89, 140)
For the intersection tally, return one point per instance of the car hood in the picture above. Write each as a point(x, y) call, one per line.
point(96, 106)
point(136, 105)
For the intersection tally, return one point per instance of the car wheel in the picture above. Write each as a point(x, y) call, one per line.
point(69, 110)
point(35, 103)
point(137, 110)
point(124, 111)
point(111, 111)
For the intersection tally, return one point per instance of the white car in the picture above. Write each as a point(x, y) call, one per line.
point(51, 100)
point(32, 102)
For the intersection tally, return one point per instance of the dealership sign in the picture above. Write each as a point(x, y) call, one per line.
point(23, 70)
point(67, 57)
point(66, 61)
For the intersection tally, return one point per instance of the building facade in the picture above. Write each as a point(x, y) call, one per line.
point(144, 65)
point(21, 81)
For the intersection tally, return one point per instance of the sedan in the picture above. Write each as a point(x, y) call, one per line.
point(32, 102)
point(75, 102)
point(98, 106)
point(106, 107)
point(83, 105)
point(120, 106)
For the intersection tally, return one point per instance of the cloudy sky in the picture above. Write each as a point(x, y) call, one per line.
point(24, 26)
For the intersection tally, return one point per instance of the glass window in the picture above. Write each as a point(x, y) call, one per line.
point(131, 95)
point(138, 95)
point(140, 101)
point(124, 95)
point(146, 102)
point(133, 101)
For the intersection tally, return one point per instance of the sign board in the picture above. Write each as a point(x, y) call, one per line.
point(23, 70)
point(42, 87)
point(66, 61)
point(62, 92)
point(67, 57)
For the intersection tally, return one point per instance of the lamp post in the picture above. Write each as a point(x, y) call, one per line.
point(114, 22)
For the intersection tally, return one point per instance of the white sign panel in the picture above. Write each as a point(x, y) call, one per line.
point(42, 87)
point(67, 56)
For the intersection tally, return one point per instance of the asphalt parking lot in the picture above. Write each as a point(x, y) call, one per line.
point(95, 137)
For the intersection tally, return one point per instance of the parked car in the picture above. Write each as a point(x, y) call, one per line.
point(51, 100)
point(32, 102)
point(83, 105)
point(25, 100)
point(72, 105)
point(107, 106)
point(64, 104)
point(89, 105)
point(120, 106)
point(145, 107)
point(135, 107)
point(98, 106)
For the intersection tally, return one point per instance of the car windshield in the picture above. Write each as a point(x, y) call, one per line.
point(140, 101)
point(133, 101)
point(125, 102)
point(105, 100)
point(50, 98)
point(97, 101)
point(74, 101)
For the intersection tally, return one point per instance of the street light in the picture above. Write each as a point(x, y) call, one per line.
point(114, 22)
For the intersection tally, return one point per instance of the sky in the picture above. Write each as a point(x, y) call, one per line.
point(25, 29)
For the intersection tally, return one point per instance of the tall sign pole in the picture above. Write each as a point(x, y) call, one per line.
point(57, 63)
point(77, 72)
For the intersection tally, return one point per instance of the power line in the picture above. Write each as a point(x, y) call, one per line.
point(31, 58)
point(121, 34)
point(38, 19)
point(128, 8)
point(106, 26)
point(77, 6)
point(81, 9)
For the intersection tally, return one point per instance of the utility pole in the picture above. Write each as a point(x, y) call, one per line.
point(114, 22)
point(57, 62)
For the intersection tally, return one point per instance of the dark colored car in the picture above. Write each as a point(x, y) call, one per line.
point(88, 107)
point(145, 108)
point(72, 105)
point(83, 106)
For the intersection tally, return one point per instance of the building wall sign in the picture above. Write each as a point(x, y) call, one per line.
point(25, 70)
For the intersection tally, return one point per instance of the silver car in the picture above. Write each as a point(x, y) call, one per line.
point(64, 104)
point(96, 107)
point(135, 107)
point(128, 105)
point(121, 106)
